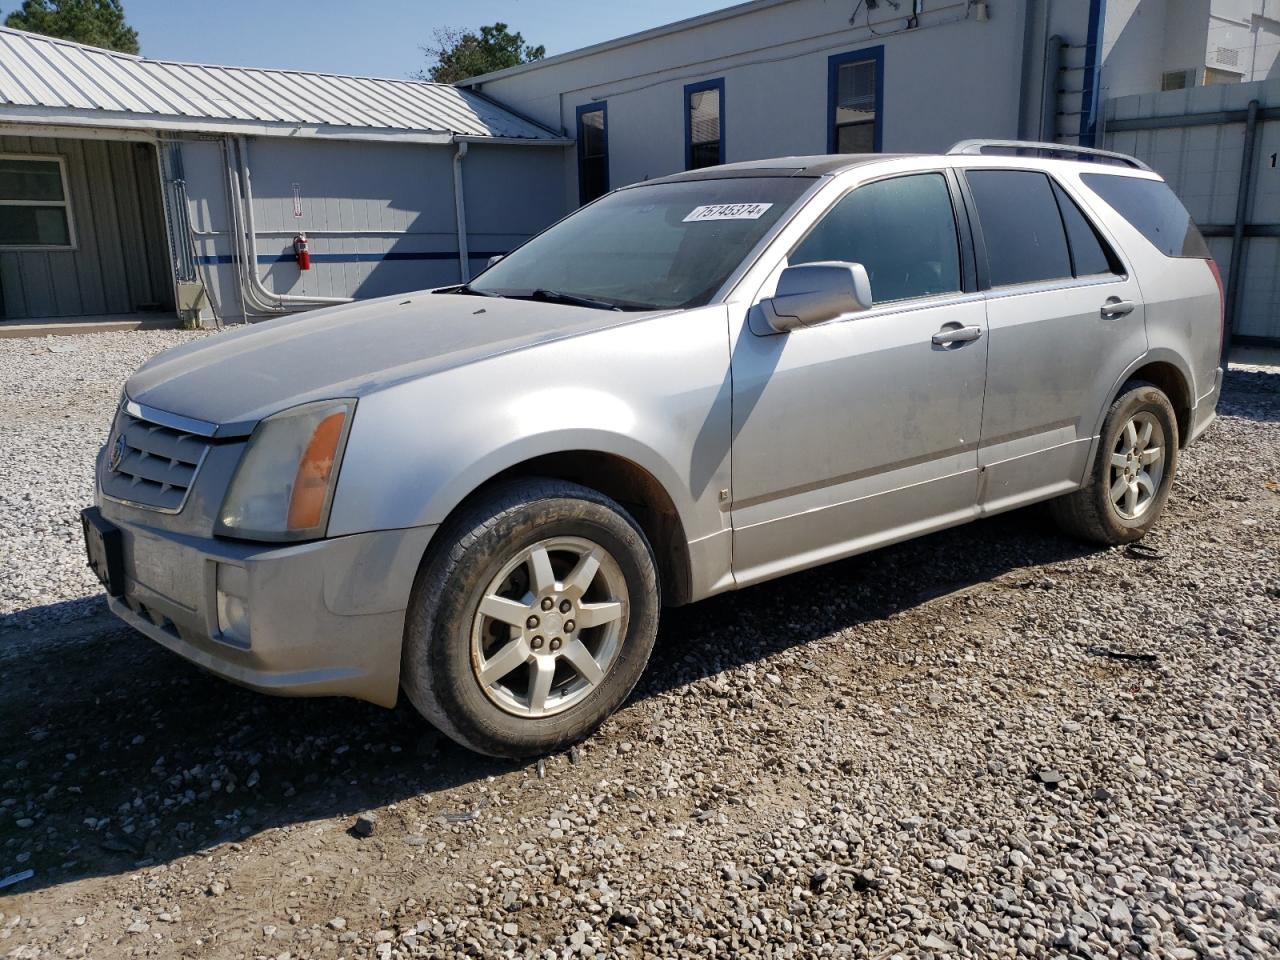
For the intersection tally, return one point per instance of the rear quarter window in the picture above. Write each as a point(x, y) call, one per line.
point(1153, 210)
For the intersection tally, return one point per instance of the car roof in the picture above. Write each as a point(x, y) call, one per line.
point(810, 166)
point(824, 165)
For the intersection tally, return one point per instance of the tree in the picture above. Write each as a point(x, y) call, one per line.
point(459, 54)
point(99, 23)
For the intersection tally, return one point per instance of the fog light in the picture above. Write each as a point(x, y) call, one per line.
point(233, 608)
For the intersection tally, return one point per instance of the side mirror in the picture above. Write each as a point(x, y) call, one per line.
point(814, 293)
point(494, 259)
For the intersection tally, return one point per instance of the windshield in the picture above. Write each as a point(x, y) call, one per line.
point(662, 246)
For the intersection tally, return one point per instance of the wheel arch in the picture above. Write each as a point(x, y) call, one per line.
point(622, 479)
point(1168, 371)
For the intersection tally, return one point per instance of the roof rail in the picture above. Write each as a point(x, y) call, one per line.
point(1084, 154)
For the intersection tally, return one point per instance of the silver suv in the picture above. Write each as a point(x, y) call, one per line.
point(483, 494)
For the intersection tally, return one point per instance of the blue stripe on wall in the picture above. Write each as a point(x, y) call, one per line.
point(351, 257)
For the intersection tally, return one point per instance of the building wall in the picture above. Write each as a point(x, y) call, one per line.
point(1230, 40)
point(120, 264)
point(379, 217)
point(948, 79)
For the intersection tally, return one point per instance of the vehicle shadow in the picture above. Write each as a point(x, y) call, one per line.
point(119, 754)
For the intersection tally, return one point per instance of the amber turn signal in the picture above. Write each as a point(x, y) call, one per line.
point(315, 469)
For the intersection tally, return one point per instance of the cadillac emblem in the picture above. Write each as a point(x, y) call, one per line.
point(118, 450)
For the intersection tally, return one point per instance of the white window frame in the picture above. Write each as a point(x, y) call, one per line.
point(65, 203)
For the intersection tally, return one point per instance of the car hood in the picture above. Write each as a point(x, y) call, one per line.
point(239, 376)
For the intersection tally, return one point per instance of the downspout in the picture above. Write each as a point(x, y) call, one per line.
point(1243, 192)
point(282, 300)
point(1027, 127)
point(1092, 74)
point(1048, 132)
point(460, 213)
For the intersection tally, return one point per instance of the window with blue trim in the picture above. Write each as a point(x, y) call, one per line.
point(855, 93)
point(593, 151)
point(704, 124)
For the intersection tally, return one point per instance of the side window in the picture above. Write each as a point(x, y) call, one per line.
point(34, 206)
point(903, 230)
point(1090, 254)
point(704, 124)
point(1021, 226)
point(855, 84)
point(593, 152)
point(1154, 210)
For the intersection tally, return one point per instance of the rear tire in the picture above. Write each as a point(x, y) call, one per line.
point(531, 619)
point(1130, 479)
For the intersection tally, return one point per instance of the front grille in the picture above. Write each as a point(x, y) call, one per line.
point(151, 465)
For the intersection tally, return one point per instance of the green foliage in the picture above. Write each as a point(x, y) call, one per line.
point(99, 23)
point(459, 54)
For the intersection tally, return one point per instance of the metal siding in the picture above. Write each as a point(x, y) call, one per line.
point(379, 217)
point(120, 263)
point(1202, 162)
point(39, 71)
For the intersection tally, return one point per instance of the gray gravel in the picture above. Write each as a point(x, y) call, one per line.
point(989, 742)
point(59, 394)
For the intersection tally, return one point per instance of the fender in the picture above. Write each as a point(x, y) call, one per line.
point(1153, 355)
point(654, 394)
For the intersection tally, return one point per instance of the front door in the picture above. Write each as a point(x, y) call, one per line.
point(863, 430)
point(1066, 321)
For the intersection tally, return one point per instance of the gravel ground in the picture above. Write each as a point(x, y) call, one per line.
point(988, 742)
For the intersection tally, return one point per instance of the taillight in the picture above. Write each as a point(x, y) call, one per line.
point(1222, 302)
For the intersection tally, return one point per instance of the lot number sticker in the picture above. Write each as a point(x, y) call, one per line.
point(727, 211)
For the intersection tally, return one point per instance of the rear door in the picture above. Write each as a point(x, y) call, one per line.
point(1066, 321)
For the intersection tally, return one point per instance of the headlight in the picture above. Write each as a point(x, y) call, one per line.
point(284, 483)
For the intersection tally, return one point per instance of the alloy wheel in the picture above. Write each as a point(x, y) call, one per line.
point(549, 627)
point(1137, 465)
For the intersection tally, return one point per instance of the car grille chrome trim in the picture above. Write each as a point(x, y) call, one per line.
point(149, 464)
point(200, 428)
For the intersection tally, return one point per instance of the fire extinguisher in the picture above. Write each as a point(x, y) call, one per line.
point(301, 252)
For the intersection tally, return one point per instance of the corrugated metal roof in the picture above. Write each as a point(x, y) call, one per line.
point(57, 81)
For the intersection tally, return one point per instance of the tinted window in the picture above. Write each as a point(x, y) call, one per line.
point(593, 155)
point(1089, 253)
point(660, 245)
point(902, 230)
point(1020, 225)
point(1151, 207)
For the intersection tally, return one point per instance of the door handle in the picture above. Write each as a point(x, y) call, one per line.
point(1115, 307)
point(953, 334)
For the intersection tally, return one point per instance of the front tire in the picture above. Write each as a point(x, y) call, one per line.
point(1132, 474)
point(531, 619)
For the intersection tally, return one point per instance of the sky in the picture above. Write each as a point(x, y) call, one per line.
point(374, 37)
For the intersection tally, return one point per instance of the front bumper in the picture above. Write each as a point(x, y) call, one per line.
point(323, 618)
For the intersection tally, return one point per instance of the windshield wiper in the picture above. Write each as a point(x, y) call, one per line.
point(467, 290)
point(555, 296)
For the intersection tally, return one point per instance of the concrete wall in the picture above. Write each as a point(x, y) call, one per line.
point(948, 79)
point(379, 217)
point(1147, 38)
point(1202, 163)
point(120, 264)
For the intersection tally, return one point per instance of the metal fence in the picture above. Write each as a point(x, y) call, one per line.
point(1219, 147)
